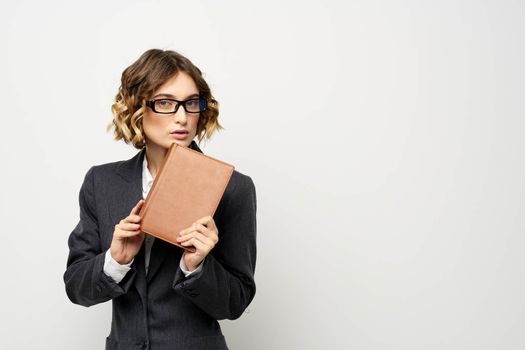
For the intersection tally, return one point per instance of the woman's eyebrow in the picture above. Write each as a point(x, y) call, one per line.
point(172, 96)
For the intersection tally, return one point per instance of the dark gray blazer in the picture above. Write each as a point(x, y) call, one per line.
point(163, 309)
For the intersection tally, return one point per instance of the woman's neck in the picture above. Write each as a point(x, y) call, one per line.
point(155, 155)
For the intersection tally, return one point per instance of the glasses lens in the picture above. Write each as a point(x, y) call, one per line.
point(194, 105)
point(165, 106)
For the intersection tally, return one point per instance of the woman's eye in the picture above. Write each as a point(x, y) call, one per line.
point(192, 103)
point(164, 104)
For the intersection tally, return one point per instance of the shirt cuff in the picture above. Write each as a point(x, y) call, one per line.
point(184, 268)
point(115, 270)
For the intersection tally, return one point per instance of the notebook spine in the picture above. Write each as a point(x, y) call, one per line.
point(155, 185)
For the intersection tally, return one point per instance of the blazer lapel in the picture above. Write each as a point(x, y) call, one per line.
point(140, 279)
point(129, 191)
point(127, 194)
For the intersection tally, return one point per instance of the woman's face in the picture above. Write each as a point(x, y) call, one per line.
point(159, 129)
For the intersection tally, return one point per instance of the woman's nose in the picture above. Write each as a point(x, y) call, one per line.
point(180, 115)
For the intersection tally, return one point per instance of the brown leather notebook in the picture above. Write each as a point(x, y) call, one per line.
point(187, 187)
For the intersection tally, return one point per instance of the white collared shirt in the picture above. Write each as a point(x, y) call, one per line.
point(117, 271)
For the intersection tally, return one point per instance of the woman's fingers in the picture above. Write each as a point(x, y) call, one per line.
point(204, 230)
point(127, 234)
point(126, 225)
point(208, 241)
point(136, 208)
point(127, 237)
point(203, 235)
point(198, 230)
point(205, 225)
point(208, 222)
point(132, 218)
point(126, 229)
point(200, 246)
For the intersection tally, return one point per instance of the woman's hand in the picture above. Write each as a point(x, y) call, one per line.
point(127, 237)
point(203, 235)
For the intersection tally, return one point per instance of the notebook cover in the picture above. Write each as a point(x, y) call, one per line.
point(188, 186)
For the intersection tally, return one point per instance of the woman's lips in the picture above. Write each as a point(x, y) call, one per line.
point(181, 135)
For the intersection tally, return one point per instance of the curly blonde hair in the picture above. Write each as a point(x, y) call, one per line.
point(138, 83)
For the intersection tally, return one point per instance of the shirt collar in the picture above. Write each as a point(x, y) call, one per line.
point(147, 179)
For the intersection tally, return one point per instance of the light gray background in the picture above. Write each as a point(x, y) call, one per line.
point(385, 139)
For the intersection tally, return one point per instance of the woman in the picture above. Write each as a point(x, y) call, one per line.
point(163, 296)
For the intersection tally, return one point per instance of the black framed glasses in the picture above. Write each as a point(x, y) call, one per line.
point(170, 105)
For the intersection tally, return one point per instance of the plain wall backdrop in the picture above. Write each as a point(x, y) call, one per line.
point(385, 140)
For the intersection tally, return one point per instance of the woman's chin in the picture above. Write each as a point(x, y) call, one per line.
point(184, 143)
point(167, 143)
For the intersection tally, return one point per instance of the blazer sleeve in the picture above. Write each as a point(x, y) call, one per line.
point(86, 283)
point(225, 286)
